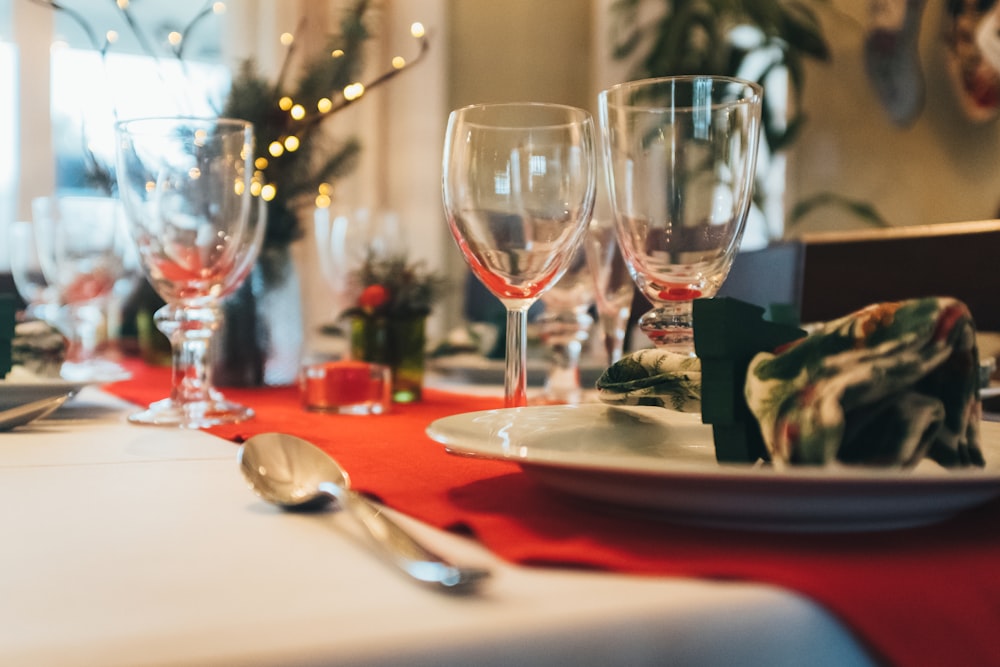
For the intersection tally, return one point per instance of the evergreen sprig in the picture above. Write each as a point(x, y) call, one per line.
point(319, 157)
point(407, 289)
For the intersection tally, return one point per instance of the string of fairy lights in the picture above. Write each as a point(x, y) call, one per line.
point(300, 118)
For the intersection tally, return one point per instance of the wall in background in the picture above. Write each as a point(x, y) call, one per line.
point(943, 167)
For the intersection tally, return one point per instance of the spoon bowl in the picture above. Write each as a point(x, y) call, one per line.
point(295, 475)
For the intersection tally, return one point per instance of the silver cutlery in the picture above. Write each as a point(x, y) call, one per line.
point(298, 476)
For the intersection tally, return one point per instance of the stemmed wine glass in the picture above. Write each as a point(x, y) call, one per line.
point(565, 327)
point(680, 154)
point(78, 240)
point(40, 297)
point(613, 286)
point(186, 185)
point(518, 187)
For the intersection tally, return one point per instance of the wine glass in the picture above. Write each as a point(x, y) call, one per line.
point(613, 286)
point(680, 154)
point(344, 240)
point(564, 327)
point(186, 185)
point(78, 239)
point(518, 188)
point(40, 298)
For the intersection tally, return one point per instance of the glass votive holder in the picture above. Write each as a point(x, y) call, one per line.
point(346, 387)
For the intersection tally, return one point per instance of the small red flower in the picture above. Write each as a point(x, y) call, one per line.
point(373, 296)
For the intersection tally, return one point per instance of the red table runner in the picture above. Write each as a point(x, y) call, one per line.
point(922, 596)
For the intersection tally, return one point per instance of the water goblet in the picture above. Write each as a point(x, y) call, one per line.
point(78, 239)
point(186, 186)
point(680, 155)
point(518, 188)
point(40, 298)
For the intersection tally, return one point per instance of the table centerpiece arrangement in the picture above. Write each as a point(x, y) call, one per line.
point(388, 319)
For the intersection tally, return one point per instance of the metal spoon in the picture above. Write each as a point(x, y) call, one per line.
point(28, 412)
point(296, 475)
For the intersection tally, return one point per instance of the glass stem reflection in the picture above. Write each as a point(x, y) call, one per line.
point(515, 373)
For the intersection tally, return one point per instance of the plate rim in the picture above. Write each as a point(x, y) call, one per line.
point(830, 475)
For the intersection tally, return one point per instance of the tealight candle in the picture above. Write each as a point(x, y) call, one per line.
point(346, 387)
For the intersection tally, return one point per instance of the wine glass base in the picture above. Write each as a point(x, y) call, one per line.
point(681, 342)
point(93, 370)
point(194, 414)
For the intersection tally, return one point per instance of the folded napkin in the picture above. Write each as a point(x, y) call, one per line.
point(653, 377)
point(888, 384)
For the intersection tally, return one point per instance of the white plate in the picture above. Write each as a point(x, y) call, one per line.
point(13, 394)
point(476, 369)
point(663, 462)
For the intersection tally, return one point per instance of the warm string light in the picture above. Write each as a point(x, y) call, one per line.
point(324, 199)
point(326, 106)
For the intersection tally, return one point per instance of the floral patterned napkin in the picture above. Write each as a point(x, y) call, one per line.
point(886, 385)
point(653, 377)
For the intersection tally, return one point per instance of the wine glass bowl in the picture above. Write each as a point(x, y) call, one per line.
point(186, 185)
point(680, 155)
point(518, 188)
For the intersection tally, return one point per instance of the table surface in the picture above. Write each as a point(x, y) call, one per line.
point(126, 545)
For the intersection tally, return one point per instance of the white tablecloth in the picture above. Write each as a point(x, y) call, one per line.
point(128, 545)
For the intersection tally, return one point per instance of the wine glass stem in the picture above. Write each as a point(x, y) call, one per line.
point(515, 373)
point(85, 322)
point(190, 332)
point(613, 325)
point(563, 383)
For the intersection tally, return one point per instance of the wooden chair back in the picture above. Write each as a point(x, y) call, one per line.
point(844, 271)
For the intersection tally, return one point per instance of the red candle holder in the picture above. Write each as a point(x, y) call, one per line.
point(346, 387)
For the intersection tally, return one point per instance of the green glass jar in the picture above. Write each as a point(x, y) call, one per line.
point(397, 343)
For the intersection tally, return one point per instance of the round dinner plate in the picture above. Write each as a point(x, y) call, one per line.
point(13, 394)
point(662, 462)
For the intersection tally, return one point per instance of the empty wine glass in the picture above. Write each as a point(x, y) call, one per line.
point(343, 242)
point(680, 154)
point(613, 286)
point(564, 327)
point(40, 297)
point(518, 188)
point(78, 239)
point(186, 185)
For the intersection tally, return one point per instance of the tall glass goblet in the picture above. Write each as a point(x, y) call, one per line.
point(186, 187)
point(680, 154)
point(518, 187)
point(79, 247)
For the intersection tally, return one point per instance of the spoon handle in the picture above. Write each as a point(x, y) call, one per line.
point(400, 547)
